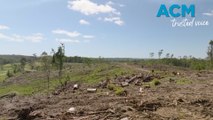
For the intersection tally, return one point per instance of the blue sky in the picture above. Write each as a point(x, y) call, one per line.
point(92, 28)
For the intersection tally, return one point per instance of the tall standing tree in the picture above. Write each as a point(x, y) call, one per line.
point(172, 55)
point(58, 59)
point(167, 55)
point(23, 62)
point(151, 54)
point(210, 52)
point(46, 63)
point(160, 53)
point(33, 61)
point(185, 57)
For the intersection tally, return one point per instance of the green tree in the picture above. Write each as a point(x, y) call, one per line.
point(58, 59)
point(160, 53)
point(185, 57)
point(172, 55)
point(167, 55)
point(33, 61)
point(23, 62)
point(151, 54)
point(46, 63)
point(9, 74)
point(15, 68)
point(210, 52)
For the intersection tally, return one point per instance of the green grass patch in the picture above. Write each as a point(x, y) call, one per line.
point(74, 72)
point(152, 83)
point(3, 71)
point(33, 87)
point(99, 72)
point(22, 90)
point(117, 89)
point(111, 86)
point(183, 81)
point(156, 82)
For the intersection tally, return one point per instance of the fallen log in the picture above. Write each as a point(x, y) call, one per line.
point(104, 84)
point(138, 82)
point(124, 84)
point(131, 79)
point(101, 112)
point(91, 90)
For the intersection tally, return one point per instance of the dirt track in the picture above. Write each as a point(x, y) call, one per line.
point(167, 101)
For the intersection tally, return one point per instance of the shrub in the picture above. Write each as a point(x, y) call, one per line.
point(9, 74)
point(183, 81)
point(119, 91)
point(156, 82)
point(111, 86)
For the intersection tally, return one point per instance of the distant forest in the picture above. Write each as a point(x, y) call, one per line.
point(8, 59)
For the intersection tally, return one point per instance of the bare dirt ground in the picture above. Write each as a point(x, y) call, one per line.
point(169, 100)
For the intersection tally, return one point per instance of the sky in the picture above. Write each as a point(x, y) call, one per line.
point(93, 28)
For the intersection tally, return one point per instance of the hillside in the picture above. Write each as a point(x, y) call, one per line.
point(123, 91)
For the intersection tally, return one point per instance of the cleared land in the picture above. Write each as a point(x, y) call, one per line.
point(125, 91)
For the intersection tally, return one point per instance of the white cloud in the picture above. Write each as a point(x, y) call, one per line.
point(70, 37)
point(111, 19)
point(121, 5)
point(116, 20)
point(88, 36)
point(88, 7)
point(110, 3)
point(67, 40)
point(209, 13)
point(119, 22)
point(37, 37)
point(5, 37)
point(4, 27)
point(67, 33)
point(84, 22)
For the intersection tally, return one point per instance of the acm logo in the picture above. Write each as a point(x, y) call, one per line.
point(176, 10)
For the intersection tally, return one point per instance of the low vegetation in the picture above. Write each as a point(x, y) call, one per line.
point(156, 82)
point(117, 89)
point(183, 81)
point(47, 72)
point(93, 88)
